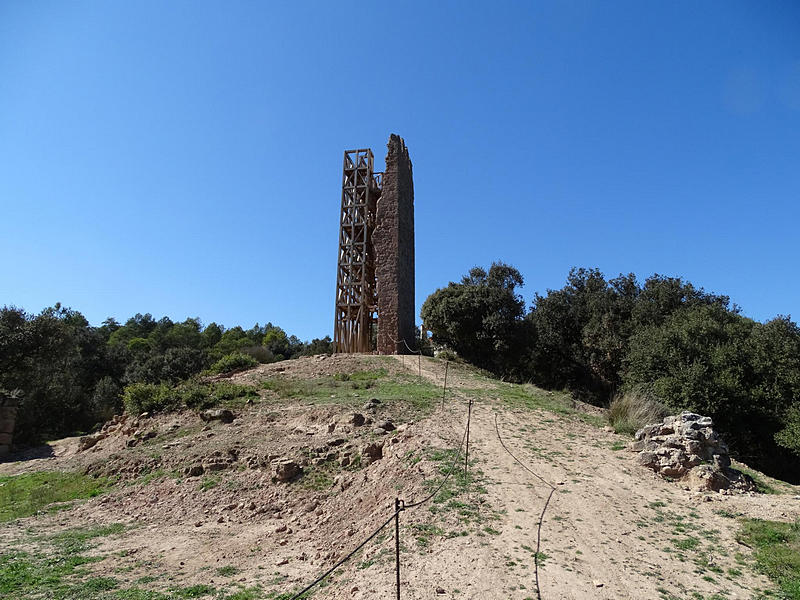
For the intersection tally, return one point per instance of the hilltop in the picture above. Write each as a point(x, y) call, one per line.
point(178, 506)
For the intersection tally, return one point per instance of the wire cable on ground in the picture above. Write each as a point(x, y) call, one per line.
point(389, 520)
point(345, 559)
point(544, 509)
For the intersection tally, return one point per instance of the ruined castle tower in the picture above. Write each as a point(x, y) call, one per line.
point(376, 254)
point(394, 252)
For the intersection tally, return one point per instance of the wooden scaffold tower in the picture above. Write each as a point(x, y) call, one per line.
point(356, 301)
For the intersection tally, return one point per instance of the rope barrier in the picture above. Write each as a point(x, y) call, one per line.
point(544, 509)
point(412, 351)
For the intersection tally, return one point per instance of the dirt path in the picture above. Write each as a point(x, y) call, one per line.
point(611, 530)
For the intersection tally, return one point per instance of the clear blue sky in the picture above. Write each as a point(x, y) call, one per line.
point(183, 158)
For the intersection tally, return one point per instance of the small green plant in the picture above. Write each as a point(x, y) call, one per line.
point(687, 543)
point(227, 571)
point(423, 533)
point(319, 477)
point(209, 482)
point(194, 591)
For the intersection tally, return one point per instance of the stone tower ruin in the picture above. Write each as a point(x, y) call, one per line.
point(375, 275)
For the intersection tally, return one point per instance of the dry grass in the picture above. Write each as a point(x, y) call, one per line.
point(633, 410)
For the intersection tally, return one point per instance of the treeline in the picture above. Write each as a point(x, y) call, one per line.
point(70, 375)
point(662, 338)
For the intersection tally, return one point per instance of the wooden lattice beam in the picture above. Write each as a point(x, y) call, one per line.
point(356, 302)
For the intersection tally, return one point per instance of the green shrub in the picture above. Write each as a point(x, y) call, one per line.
point(226, 392)
point(107, 398)
point(789, 436)
point(235, 361)
point(260, 353)
point(149, 397)
point(481, 318)
point(196, 396)
point(630, 412)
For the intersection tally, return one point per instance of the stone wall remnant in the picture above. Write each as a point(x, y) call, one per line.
point(687, 447)
point(393, 241)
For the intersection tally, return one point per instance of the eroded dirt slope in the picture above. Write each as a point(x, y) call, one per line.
point(201, 507)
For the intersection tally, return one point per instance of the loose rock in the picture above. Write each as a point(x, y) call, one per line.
point(217, 414)
point(385, 424)
point(372, 452)
point(88, 441)
point(356, 419)
point(286, 470)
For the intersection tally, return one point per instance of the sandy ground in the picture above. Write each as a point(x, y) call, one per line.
point(611, 529)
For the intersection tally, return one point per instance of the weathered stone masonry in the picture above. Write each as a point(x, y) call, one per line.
point(393, 240)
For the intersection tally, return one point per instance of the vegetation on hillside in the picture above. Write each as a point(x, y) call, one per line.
point(664, 339)
point(70, 375)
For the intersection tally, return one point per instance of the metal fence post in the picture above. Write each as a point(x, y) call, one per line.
point(397, 542)
point(466, 456)
point(444, 391)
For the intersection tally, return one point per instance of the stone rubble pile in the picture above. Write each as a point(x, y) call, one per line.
point(687, 447)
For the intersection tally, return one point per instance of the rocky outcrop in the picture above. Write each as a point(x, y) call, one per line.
point(286, 470)
point(680, 443)
point(89, 441)
point(687, 447)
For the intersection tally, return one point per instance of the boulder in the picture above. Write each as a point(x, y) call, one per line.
point(356, 419)
point(705, 478)
point(194, 470)
point(88, 441)
point(372, 452)
point(372, 404)
point(217, 414)
point(286, 470)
